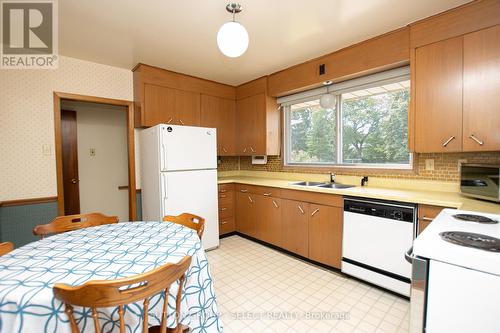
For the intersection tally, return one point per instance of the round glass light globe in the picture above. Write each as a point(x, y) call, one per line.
point(232, 39)
point(327, 101)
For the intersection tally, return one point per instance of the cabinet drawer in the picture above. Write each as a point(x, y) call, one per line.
point(226, 225)
point(312, 197)
point(226, 211)
point(426, 215)
point(224, 188)
point(261, 190)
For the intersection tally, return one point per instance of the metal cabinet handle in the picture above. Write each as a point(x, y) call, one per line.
point(275, 204)
point(268, 194)
point(244, 150)
point(300, 208)
point(170, 120)
point(428, 219)
point(223, 209)
point(250, 198)
point(180, 120)
point(315, 211)
point(473, 137)
point(224, 149)
point(223, 222)
point(223, 191)
point(448, 141)
point(223, 196)
point(251, 148)
point(243, 190)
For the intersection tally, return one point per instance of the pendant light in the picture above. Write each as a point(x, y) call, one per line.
point(232, 38)
point(327, 101)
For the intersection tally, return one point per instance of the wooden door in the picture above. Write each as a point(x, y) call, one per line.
point(273, 228)
point(438, 97)
point(159, 105)
point(295, 227)
point(325, 234)
point(482, 90)
point(220, 113)
point(245, 213)
point(69, 145)
point(187, 108)
point(251, 125)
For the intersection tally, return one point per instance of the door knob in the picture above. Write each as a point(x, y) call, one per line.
point(74, 180)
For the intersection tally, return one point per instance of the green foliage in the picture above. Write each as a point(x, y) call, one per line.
point(375, 130)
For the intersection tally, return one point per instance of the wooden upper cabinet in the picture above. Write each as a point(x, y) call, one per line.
point(325, 234)
point(162, 96)
point(481, 108)
point(438, 96)
point(257, 120)
point(220, 113)
point(160, 103)
point(187, 108)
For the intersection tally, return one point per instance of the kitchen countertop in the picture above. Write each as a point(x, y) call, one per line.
point(435, 198)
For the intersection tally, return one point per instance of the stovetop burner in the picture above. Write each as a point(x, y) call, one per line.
point(470, 239)
point(474, 218)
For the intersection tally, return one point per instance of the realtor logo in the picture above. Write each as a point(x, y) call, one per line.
point(29, 34)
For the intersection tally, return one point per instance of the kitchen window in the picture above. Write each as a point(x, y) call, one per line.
point(367, 127)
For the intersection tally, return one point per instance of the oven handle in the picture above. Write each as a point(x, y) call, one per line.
point(409, 255)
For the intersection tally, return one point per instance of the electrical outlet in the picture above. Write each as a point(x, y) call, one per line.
point(92, 151)
point(46, 151)
point(429, 164)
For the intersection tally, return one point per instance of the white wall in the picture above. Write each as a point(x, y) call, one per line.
point(103, 128)
point(27, 121)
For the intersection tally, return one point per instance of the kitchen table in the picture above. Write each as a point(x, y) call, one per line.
point(113, 251)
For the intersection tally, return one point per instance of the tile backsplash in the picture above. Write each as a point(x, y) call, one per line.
point(445, 166)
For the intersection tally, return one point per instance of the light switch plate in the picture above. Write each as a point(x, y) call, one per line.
point(429, 164)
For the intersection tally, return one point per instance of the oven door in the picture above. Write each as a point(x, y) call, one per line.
point(418, 293)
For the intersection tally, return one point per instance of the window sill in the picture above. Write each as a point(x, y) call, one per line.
point(355, 169)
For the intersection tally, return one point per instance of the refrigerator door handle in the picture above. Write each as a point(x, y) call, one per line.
point(164, 193)
point(163, 158)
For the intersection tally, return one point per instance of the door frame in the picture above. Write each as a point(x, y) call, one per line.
point(58, 96)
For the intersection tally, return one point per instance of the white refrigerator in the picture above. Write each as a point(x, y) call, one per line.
point(179, 175)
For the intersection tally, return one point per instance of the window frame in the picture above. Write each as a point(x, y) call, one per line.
point(392, 76)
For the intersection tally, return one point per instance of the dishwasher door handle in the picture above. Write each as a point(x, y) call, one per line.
point(409, 255)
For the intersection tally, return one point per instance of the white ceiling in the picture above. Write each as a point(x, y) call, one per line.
point(181, 35)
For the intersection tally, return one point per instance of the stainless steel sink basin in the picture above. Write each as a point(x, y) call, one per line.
point(335, 185)
point(309, 183)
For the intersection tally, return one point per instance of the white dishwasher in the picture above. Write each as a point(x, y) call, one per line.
point(376, 235)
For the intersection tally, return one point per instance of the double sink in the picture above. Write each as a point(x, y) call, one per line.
point(323, 185)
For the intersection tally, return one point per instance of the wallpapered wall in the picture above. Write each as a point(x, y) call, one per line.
point(27, 121)
point(445, 166)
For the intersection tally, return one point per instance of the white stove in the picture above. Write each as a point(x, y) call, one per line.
point(456, 274)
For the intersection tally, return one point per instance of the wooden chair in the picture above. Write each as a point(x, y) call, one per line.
point(188, 220)
point(6, 248)
point(73, 222)
point(111, 293)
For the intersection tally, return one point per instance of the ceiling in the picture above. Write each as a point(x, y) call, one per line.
point(181, 35)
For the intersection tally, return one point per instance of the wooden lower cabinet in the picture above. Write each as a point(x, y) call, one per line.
point(426, 215)
point(226, 209)
point(296, 227)
point(246, 213)
point(325, 234)
point(272, 222)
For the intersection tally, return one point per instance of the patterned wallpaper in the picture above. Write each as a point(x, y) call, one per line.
point(445, 166)
point(27, 122)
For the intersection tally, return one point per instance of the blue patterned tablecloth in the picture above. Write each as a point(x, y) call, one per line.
point(27, 275)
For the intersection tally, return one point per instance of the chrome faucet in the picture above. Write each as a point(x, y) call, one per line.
point(332, 177)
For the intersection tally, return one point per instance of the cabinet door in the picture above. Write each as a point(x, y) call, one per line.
point(295, 227)
point(482, 90)
point(159, 105)
point(245, 214)
point(438, 97)
point(187, 108)
point(221, 114)
point(325, 234)
point(272, 230)
point(251, 125)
